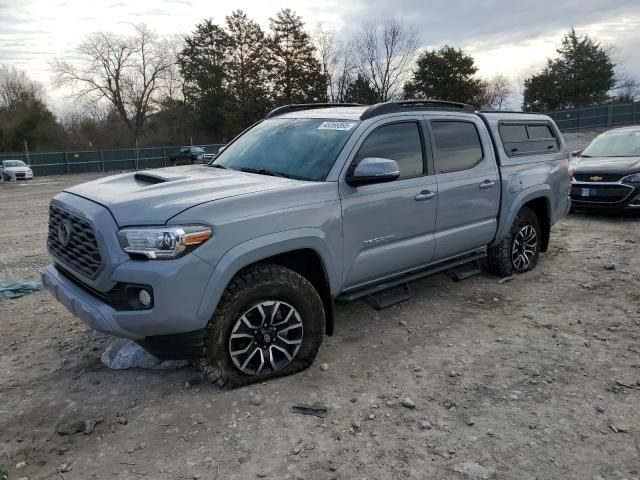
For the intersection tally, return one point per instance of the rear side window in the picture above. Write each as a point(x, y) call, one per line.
point(528, 139)
point(399, 142)
point(457, 146)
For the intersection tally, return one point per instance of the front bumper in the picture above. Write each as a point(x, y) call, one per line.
point(605, 195)
point(178, 288)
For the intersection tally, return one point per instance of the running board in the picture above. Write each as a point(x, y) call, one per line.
point(369, 291)
point(389, 297)
point(468, 270)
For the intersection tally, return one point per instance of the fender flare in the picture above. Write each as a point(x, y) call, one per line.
point(259, 248)
point(525, 196)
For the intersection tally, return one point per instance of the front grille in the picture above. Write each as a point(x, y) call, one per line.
point(82, 253)
point(599, 177)
point(20, 174)
point(600, 193)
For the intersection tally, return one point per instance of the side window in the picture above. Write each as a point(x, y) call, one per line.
point(457, 146)
point(399, 142)
point(528, 139)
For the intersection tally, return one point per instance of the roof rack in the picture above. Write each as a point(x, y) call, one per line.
point(307, 106)
point(393, 107)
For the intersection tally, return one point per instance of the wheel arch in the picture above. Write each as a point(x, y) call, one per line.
point(307, 254)
point(539, 200)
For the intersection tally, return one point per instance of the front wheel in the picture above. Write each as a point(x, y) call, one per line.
point(269, 323)
point(519, 252)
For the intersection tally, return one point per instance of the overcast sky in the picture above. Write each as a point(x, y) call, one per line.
point(509, 36)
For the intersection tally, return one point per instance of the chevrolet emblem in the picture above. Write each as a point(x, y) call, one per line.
point(596, 178)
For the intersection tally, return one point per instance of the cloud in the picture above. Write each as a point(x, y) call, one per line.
point(510, 36)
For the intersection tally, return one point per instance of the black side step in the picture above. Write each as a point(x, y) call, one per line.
point(389, 298)
point(465, 271)
point(409, 277)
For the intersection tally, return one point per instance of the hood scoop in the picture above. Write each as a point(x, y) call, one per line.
point(150, 178)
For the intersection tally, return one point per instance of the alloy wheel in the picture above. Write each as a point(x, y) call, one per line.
point(525, 245)
point(266, 337)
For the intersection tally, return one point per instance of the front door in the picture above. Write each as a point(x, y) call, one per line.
point(388, 228)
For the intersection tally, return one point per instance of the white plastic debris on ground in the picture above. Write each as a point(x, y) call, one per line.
point(122, 354)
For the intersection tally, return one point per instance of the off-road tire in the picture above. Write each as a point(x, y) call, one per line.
point(499, 260)
point(249, 287)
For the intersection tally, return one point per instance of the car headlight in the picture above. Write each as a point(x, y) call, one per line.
point(163, 242)
point(635, 178)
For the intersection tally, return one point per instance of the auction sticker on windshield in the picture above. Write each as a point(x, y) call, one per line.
point(336, 125)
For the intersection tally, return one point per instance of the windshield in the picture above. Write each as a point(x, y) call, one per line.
point(618, 144)
point(302, 148)
point(14, 163)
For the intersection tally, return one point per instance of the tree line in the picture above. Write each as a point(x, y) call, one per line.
point(219, 79)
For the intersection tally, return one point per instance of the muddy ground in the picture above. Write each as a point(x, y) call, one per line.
point(509, 381)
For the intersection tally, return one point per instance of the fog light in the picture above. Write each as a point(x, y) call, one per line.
point(144, 297)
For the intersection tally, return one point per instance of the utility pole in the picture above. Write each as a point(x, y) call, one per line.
point(26, 152)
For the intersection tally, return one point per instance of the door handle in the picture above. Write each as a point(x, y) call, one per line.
point(487, 185)
point(424, 195)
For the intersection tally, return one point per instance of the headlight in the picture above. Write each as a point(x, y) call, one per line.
point(635, 178)
point(163, 242)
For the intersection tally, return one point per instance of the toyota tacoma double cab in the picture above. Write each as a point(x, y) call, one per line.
point(237, 264)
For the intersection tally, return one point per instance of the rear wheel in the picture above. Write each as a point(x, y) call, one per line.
point(269, 323)
point(519, 252)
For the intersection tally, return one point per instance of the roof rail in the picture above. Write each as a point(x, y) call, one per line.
point(393, 107)
point(307, 106)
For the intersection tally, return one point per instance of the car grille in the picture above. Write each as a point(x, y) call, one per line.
point(603, 177)
point(600, 193)
point(82, 253)
point(20, 174)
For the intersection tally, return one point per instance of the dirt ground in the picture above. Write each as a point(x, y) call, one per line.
point(509, 381)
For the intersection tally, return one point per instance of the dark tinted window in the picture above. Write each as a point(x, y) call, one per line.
point(457, 146)
point(528, 139)
point(539, 132)
point(399, 142)
point(514, 133)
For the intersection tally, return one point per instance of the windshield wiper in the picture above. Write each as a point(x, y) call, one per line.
point(264, 171)
point(217, 165)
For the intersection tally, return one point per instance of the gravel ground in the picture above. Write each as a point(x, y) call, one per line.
point(537, 378)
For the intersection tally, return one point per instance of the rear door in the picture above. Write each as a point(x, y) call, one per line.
point(468, 185)
point(388, 228)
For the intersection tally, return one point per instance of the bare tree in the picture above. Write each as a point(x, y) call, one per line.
point(130, 73)
point(627, 88)
point(14, 84)
point(385, 53)
point(495, 92)
point(337, 61)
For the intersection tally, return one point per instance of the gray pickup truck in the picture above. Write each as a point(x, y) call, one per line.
point(238, 263)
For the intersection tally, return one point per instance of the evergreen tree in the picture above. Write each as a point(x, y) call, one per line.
point(582, 75)
point(202, 64)
point(246, 73)
point(361, 91)
point(445, 74)
point(296, 75)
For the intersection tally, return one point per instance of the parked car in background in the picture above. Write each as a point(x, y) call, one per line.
point(15, 170)
point(208, 156)
point(187, 156)
point(238, 263)
point(606, 174)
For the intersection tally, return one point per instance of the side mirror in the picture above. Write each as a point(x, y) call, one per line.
point(576, 153)
point(221, 149)
point(373, 170)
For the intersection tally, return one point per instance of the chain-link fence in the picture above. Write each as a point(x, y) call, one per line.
point(597, 116)
point(60, 163)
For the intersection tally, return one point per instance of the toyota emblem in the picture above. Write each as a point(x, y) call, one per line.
point(64, 233)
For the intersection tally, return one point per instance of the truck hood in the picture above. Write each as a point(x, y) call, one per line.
point(152, 197)
point(614, 165)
